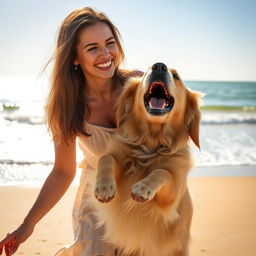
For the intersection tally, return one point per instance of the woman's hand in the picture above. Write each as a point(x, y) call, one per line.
point(13, 240)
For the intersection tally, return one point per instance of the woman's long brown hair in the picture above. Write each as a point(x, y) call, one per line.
point(66, 109)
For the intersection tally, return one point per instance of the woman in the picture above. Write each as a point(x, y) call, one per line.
point(86, 81)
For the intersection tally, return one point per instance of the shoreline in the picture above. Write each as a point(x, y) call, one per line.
point(197, 171)
point(223, 220)
point(223, 171)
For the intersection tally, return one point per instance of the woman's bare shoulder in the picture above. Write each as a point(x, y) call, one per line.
point(132, 73)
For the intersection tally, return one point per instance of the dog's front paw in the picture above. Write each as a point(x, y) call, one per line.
point(141, 192)
point(105, 191)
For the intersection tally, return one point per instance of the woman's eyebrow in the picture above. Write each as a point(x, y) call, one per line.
point(93, 44)
point(110, 38)
point(90, 44)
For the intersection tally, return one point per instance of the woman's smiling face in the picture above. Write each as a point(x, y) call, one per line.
point(97, 51)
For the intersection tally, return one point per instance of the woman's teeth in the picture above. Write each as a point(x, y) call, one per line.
point(104, 65)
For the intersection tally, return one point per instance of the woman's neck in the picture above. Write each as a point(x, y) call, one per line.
point(98, 89)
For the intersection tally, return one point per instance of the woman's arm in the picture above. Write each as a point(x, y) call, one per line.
point(53, 189)
point(57, 183)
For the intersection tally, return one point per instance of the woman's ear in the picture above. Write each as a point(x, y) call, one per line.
point(75, 62)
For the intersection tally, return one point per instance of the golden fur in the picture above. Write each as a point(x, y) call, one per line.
point(142, 175)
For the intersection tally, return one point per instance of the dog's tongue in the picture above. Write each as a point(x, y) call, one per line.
point(157, 103)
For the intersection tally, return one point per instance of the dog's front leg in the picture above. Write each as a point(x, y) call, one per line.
point(105, 186)
point(159, 184)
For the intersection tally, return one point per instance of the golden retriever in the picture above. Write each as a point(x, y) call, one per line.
point(141, 178)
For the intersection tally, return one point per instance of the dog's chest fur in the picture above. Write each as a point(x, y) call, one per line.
point(124, 216)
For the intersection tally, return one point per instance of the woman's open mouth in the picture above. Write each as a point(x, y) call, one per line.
point(157, 99)
point(104, 66)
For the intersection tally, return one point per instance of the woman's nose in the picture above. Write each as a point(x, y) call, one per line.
point(104, 51)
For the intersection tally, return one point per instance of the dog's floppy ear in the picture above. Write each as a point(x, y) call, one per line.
point(125, 100)
point(193, 115)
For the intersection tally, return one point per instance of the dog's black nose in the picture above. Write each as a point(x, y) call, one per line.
point(159, 67)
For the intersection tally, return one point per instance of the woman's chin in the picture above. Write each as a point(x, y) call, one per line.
point(105, 74)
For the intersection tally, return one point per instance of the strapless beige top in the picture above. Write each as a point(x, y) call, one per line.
point(93, 146)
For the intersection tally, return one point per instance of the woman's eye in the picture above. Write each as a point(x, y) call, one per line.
point(92, 49)
point(111, 43)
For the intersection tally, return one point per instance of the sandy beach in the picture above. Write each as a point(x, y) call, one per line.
point(223, 223)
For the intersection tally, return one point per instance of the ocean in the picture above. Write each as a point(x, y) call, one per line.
point(227, 137)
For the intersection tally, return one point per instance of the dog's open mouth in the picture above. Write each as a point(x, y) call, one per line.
point(157, 99)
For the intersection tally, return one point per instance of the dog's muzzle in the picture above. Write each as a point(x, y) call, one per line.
point(158, 99)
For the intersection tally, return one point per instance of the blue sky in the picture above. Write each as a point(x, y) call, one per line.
point(203, 40)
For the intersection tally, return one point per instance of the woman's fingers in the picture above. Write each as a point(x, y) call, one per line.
point(4, 242)
point(13, 247)
point(7, 250)
point(9, 244)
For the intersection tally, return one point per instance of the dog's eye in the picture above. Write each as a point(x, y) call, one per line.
point(175, 76)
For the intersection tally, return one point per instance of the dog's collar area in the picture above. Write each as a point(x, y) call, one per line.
point(157, 99)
